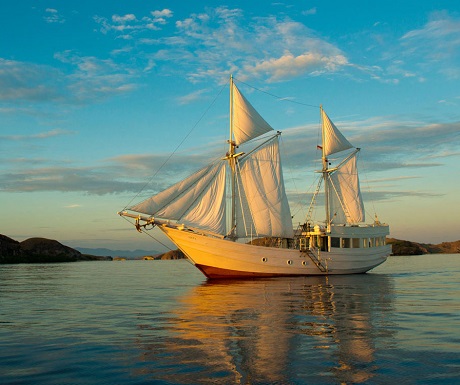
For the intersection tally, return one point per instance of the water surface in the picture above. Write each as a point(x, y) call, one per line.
point(162, 322)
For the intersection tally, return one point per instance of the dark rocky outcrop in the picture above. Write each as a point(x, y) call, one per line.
point(401, 247)
point(47, 250)
point(10, 250)
point(40, 250)
point(169, 255)
point(172, 254)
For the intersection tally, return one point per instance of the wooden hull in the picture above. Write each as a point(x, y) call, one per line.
point(221, 258)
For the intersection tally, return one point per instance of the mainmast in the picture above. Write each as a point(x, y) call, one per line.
point(232, 162)
point(325, 169)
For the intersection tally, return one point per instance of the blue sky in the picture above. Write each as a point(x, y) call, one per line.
point(94, 96)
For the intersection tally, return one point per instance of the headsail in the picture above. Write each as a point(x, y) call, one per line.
point(247, 122)
point(333, 140)
point(198, 200)
point(262, 206)
point(345, 200)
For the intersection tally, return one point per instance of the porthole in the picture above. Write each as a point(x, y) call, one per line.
point(264, 259)
point(304, 263)
point(289, 262)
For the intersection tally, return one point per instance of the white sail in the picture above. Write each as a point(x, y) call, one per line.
point(198, 200)
point(247, 122)
point(333, 140)
point(262, 191)
point(209, 209)
point(345, 200)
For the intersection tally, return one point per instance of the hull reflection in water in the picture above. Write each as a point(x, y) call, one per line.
point(283, 330)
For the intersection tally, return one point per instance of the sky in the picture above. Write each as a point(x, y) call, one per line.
point(96, 96)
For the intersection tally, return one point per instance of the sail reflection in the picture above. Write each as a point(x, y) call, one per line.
point(275, 331)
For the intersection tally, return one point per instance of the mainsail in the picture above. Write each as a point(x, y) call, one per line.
point(263, 208)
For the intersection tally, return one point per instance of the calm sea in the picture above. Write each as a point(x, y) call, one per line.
point(161, 322)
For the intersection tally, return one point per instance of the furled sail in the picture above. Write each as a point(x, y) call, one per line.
point(198, 200)
point(263, 208)
point(333, 140)
point(345, 200)
point(247, 122)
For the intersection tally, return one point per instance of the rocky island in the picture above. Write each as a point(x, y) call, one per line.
point(40, 250)
point(401, 247)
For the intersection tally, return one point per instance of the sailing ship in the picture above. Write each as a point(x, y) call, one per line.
point(250, 233)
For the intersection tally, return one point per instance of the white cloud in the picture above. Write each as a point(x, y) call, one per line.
point(289, 66)
point(123, 19)
point(186, 99)
point(73, 206)
point(53, 16)
point(89, 78)
point(387, 144)
point(440, 26)
point(21, 81)
point(94, 78)
point(163, 13)
point(436, 46)
point(222, 40)
point(308, 12)
point(129, 24)
point(41, 135)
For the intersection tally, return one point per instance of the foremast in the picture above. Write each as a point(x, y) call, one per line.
point(337, 187)
point(232, 160)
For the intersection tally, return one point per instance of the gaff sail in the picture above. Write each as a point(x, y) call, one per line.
point(263, 208)
point(345, 200)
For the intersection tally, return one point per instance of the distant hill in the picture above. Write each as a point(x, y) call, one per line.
point(40, 250)
point(401, 247)
point(117, 253)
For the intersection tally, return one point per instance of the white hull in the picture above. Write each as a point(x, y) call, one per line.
point(222, 258)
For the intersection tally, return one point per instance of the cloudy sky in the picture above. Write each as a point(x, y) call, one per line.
point(96, 96)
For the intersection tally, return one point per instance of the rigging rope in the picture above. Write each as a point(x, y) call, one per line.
point(176, 149)
point(275, 96)
point(368, 188)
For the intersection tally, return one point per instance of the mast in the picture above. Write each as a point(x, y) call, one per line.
point(232, 162)
point(325, 170)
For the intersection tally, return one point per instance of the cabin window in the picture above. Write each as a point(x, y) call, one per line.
point(323, 244)
point(371, 242)
point(355, 242)
point(380, 241)
point(335, 242)
point(346, 243)
point(365, 242)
